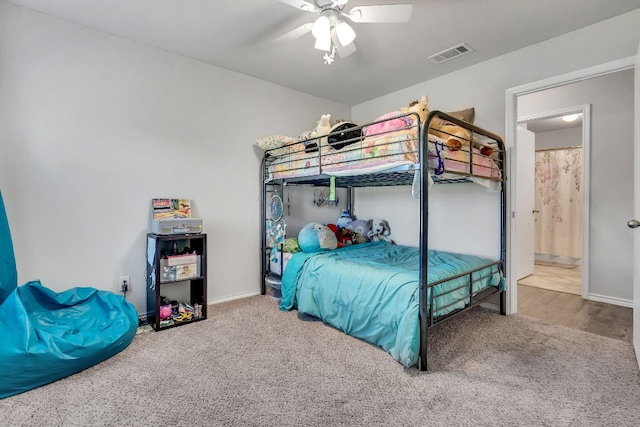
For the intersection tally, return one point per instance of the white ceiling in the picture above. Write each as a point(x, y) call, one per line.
point(552, 124)
point(236, 35)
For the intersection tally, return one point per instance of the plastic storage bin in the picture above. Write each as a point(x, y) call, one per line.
point(273, 285)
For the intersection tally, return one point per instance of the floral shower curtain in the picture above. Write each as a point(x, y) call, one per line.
point(559, 202)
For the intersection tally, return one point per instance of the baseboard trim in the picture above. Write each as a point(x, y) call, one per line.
point(611, 300)
point(233, 297)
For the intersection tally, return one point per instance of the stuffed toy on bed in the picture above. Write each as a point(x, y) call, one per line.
point(323, 127)
point(360, 228)
point(345, 236)
point(379, 230)
point(315, 237)
point(456, 138)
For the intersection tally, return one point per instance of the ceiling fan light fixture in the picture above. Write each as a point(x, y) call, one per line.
point(343, 50)
point(331, 32)
point(323, 43)
point(345, 33)
point(321, 27)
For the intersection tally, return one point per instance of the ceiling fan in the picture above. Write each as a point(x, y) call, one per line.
point(330, 29)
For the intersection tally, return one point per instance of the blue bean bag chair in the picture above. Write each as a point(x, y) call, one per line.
point(44, 335)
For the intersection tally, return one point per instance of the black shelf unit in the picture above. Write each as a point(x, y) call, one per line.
point(156, 281)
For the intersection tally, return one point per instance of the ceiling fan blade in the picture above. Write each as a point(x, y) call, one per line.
point(343, 51)
point(300, 4)
point(294, 34)
point(381, 13)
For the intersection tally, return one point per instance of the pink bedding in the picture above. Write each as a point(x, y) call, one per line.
point(379, 153)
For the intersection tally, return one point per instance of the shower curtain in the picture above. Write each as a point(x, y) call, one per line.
point(558, 189)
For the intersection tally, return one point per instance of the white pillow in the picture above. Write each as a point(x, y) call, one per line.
point(274, 142)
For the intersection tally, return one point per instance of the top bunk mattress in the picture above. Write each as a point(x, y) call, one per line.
point(394, 151)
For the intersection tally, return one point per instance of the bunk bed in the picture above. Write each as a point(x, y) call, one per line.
point(401, 150)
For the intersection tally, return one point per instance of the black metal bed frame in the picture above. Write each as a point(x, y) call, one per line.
point(427, 318)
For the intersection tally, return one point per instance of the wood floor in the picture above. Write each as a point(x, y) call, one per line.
point(569, 309)
point(562, 278)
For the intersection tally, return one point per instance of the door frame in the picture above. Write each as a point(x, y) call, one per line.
point(636, 209)
point(511, 114)
point(585, 110)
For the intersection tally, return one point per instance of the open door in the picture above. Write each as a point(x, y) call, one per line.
point(636, 212)
point(525, 180)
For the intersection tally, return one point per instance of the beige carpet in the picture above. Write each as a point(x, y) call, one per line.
point(250, 364)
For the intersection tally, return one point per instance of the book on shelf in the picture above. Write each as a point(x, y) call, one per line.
point(171, 208)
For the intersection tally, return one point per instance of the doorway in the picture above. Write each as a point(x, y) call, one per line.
point(605, 304)
point(609, 288)
point(559, 157)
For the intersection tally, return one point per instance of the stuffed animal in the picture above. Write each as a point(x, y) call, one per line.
point(360, 228)
point(344, 236)
point(455, 137)
point(343, 219)
point(323, 127)
point(379, 230)
point(315, 237)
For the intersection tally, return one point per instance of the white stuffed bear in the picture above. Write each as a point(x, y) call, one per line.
point(323, 127)
point(379, 230)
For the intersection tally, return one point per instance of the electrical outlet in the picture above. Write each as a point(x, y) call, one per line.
point(125, 284)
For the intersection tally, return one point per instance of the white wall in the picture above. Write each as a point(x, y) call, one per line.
point(611, 169)
point(571, 137)
point(484, 86)
point(93, 126)
point(300, 209)
point(460, 216)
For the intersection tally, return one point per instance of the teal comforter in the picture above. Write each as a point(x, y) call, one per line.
point(371, 291)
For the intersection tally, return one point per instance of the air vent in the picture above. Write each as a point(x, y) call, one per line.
point(449, 54)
